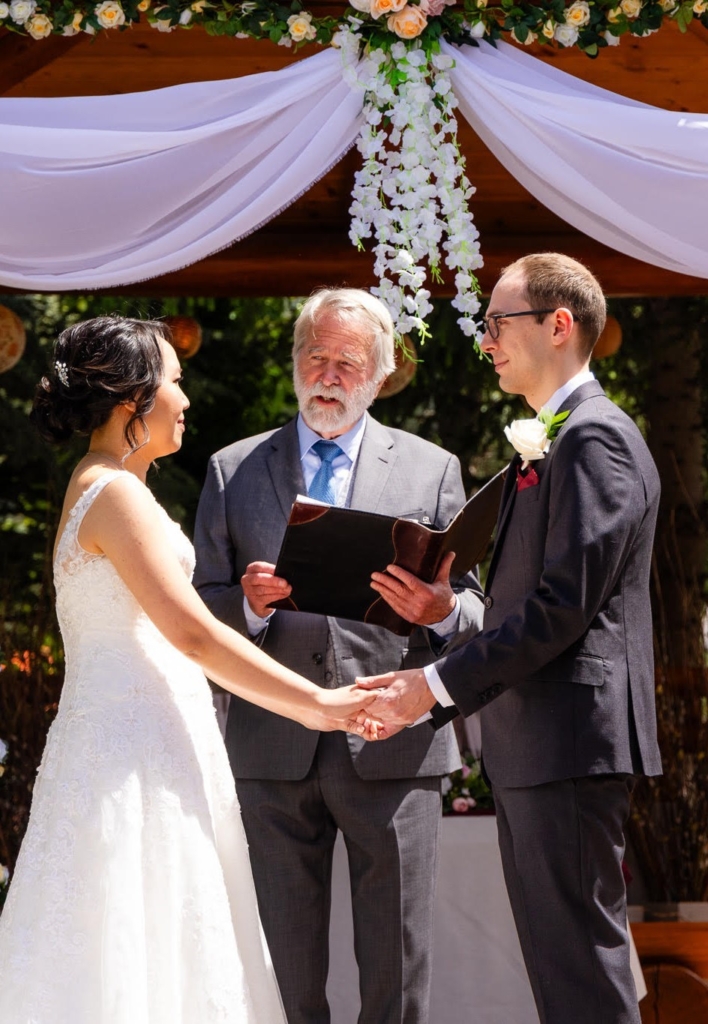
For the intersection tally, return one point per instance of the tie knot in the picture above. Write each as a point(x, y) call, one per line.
point(327, 451)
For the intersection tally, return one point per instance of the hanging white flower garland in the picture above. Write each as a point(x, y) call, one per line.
point(412, 193)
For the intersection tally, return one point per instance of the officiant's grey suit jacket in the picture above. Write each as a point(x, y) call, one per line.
point(563, 669)
point(243, 513)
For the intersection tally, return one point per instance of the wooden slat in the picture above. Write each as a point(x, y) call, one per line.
point(22, 57)
point(270, 263)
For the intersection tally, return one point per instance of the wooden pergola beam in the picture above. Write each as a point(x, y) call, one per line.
point(271, 263)
point(22, 56)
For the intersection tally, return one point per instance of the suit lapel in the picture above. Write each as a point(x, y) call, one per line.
point(376, 459)
point(592, 389)
point(505, 507)
point(285, 466)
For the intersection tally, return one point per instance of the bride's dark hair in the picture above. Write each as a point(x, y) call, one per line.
point(97, 365)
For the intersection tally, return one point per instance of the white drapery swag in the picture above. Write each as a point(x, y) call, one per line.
point(101, 191)
point(105, 191)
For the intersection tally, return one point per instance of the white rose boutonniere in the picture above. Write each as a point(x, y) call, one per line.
point(532, 438)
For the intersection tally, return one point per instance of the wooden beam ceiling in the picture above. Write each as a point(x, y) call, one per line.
point(307, 244)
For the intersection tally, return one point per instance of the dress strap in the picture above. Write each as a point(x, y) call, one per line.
point(68, 546)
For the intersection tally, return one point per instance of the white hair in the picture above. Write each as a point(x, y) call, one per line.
point(356, 309)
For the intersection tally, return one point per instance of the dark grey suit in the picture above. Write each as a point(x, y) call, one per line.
point(297, 787)
point(563, 671)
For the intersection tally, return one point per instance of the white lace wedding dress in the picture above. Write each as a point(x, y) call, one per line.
point(132, 901)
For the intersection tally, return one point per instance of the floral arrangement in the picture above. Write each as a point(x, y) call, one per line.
point(465, 791)
point(412, 191)
point(587, 24)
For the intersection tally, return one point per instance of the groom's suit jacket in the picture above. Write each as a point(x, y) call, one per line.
point(242, 516)
point(563, 669)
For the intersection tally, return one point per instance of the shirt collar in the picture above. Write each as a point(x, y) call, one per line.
point(566, 390)
point(350, 443)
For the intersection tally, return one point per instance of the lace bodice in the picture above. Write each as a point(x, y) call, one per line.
point(80, 575)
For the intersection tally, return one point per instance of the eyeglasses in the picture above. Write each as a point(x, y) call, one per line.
point(491, 323)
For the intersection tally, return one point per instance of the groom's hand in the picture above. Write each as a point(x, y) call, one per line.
point(418, 602)
point(261, 587)
point(404, 697)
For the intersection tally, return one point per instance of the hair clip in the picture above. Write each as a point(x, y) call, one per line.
point(62, 371)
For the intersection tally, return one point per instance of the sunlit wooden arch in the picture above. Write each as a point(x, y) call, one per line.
point(307, 244)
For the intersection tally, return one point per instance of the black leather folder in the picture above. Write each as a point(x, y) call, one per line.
point(328, 554)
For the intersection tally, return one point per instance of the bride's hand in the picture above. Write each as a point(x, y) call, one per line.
point(344, 708)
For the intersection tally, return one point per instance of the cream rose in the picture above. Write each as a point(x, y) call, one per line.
point(667, 5)
point(199, 5)
point(300, 27)
point(386, 7)
point(4, 11)
point(22, 10)
point(548, 29)
point(144, 5)
point(39, 26)
point(700, 7)
point(407, 23)
point(631, 7)
point(566, 35)
point(361, 5)
point(578, 14)
point(109, 14)
point(529, 438)
point(610, 39)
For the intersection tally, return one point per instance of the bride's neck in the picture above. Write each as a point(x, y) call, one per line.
point(110, 444)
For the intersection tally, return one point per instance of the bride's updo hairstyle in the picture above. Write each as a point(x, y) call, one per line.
point(99, 364)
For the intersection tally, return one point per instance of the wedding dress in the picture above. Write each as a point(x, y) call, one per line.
point(132, 901)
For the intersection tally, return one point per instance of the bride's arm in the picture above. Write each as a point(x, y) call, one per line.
point(125, 524)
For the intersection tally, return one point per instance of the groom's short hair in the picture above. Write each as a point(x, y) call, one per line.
point(356, 309)
point(552, 280)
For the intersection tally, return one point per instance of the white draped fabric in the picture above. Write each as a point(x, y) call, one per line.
point(105, 191)
point(100, 191)
point(632, 176)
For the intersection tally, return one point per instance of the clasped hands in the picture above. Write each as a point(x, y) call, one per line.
point(401, 697)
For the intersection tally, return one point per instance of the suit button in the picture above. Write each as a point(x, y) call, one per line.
point(488, 602)
point(317, 658)
point(328, 677)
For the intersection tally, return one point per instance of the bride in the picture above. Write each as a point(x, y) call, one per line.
point(132, 901)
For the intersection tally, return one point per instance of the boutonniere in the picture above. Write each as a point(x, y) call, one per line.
point(532, 438)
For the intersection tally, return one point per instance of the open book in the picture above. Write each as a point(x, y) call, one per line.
point(328, 554)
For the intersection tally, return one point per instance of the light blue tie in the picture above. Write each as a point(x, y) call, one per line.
point(322, 486)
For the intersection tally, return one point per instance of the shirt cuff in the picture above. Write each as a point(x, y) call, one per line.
point(435, 684)
point(447, 627)
point(254, 623)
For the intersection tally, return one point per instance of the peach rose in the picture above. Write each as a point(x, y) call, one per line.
point(380, 7)
point(407, 23)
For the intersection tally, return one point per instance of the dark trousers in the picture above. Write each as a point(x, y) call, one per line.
point(391, 829)
point(562, 846)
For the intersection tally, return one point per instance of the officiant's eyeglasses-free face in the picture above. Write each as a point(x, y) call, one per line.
point(491, 323)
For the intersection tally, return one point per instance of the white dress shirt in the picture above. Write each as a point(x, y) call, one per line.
point(435, 683)
point(342, 476)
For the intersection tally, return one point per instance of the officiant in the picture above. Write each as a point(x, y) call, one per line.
point(298, 788)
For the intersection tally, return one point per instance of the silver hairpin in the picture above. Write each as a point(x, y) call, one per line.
point(62, 371)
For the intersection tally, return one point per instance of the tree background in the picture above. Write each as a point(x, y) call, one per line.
point(239, 384)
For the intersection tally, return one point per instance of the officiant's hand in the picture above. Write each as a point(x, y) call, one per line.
point(261, 586)
point(418, 602)
point(403, 698)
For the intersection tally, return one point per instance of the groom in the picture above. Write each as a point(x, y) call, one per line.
point(563, 669)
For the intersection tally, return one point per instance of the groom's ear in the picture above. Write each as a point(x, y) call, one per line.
point(563, 324)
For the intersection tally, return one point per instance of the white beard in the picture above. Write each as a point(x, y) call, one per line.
point(342, 414)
